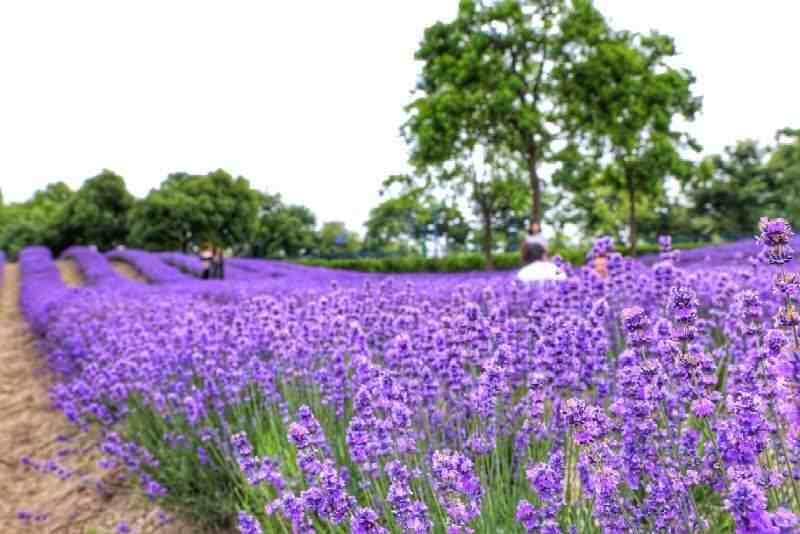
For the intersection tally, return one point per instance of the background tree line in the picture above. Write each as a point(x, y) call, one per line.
point(721, 198)
point(182, 213)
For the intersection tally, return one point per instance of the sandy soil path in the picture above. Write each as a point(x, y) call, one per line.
point(30, 428)
point(128, 271)
point(70, 273)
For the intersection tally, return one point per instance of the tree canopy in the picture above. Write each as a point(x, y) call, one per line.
point(283, 230)
point(487, 80)
point(96, 214)
point(191, 209)
point(622, 101)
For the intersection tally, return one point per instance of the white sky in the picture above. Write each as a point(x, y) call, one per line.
point(305, 98)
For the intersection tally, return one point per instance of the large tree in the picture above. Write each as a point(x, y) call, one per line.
point(97, 213)
point(283, 230)
point(495, 191)
point(190, 209)
point(621, 104)
point(487, 80)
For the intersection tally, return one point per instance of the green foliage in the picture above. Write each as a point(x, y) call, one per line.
point(784, 165)
point(17, 235)
point(400, 224)
point(486, 80)
point(34, 222)
point(283, 230)
point(731, 191)
point(622, 102)
point(465, 262)
point(96, 214)
point(190, 209)
point(335, 240)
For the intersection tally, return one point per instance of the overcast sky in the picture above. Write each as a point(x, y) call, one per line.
point(305, 98)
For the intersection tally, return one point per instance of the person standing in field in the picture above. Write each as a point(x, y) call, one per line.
point(538, 268)
point(533, 237)
point(206, 257)
point(218, 264)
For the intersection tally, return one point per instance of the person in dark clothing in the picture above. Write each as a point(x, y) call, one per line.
point(207, 257)
point(218, 264)
point(533, 237)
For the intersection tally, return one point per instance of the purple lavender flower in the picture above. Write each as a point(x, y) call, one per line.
point(683, 305)
point(775, 236)
point(411, 514)
point(248, 524)
point(602, 247)
point(458, 489)
point(365, 521)
point(702, 408)
point(665, 243)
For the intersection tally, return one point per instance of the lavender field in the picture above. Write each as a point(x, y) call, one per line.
point(662, 398)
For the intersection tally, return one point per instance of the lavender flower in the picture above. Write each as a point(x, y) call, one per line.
point(775, 236)
point(458, 489)
point(248, 524)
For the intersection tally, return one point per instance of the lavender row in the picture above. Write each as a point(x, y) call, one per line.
point(42, 288)
point(150, 265)
point(195, 266)
point(97, 270)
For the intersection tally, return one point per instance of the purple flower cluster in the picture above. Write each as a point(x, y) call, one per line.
point(457, 488)
point(602, 247)
point(775, 237)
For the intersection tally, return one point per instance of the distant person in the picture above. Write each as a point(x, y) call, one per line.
point(206, 257)
point(218, 264)
point(539, 268)
point(533, 237)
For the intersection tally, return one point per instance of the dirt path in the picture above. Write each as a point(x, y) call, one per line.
point(70, 273)
point(30, 428)
point(128, 271)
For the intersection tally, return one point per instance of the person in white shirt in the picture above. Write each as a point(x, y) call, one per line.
point(538, 267)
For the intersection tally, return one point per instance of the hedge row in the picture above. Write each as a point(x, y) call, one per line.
point(455, 263)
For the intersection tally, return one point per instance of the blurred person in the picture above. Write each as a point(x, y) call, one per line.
point(538, 267)
point(533, 237)
point(218, 264)
point(206, 257)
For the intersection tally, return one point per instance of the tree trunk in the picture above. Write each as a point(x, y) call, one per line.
point(632, 237)
point(486, 216)
point(535, 183)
